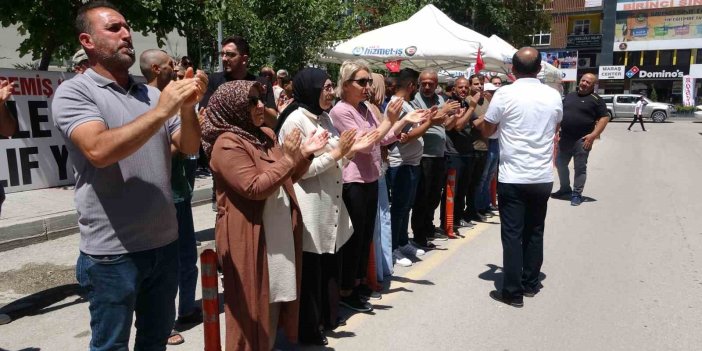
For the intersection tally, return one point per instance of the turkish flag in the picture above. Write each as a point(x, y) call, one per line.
point(479, 64)
point(393, 66)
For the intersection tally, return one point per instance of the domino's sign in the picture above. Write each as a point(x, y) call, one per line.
point(657, 72)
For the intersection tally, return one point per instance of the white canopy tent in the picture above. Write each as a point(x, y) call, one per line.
point(549, 74)
point(428, 39)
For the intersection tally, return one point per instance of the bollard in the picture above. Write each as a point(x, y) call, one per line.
point(450, 189)
point(210, 300)
point(371, 274)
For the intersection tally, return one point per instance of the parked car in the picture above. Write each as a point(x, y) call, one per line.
point(622, 106)
point(698, 112)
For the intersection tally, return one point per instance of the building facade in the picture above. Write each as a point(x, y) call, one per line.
point(658, 47)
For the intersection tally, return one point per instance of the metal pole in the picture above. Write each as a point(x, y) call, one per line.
point(219, 44)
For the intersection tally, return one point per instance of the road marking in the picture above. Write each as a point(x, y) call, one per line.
point(418, 271)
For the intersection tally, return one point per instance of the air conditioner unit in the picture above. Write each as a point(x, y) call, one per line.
point(584, 62)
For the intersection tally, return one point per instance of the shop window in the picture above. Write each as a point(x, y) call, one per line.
point(649, 58)
point(581, 27)
point(698, 57)
point(634, 58)
point(683, 58)
point(541, 39)
point(665, 58)
point(619, 58)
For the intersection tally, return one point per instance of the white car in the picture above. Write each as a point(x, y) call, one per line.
point(698, 112)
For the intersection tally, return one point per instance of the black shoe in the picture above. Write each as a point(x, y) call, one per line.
point(314, 338)
point(562, 194)
point(576, 200)
point(195, 317)
point(355, 303)
point(530, 292)
point(366, 293)
point(479, 217)
point(464, 224)
point(426, 246)
point(437, 236)
point(514, 302)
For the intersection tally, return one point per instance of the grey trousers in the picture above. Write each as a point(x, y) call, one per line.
point(572, 149)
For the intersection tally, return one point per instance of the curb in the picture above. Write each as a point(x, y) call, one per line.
point(62, 224)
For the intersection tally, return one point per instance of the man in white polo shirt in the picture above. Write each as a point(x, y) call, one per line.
point(525, 116)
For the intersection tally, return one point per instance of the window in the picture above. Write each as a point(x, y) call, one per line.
point(619, 58)
point(608, 99)
point(581, 27)
point(698, 57)
point(634, 58)
point(683, 57)
point(665, 58)
point(626, 99)
point(541, 39)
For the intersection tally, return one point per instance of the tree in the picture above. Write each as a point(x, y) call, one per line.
point(49, 23)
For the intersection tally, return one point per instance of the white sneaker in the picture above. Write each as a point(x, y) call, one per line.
point(400, 259)
point(411, 250)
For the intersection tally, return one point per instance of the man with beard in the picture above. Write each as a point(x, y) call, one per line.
point(118, 134)
point(432, 175)
point(235, 62)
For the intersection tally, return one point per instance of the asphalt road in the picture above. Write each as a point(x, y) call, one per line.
point(621, 272)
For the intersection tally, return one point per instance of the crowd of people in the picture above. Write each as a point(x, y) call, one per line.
point(312, 180)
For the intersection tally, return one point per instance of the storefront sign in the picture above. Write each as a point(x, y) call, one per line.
point(656, 72)
point(593, 3)
point(658, 30)
point(584, 41)
point(634, 5)
point(36, 157)
point(561, 59)
point(611, 72)
point(688, 91)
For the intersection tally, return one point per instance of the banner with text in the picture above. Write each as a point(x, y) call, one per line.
point(658, 30)
point(635, 5)
point(688, 91)
point(561, 58)
point(36, 156)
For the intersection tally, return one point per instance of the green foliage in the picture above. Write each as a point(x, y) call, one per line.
point(283, 33)
point(654, 94)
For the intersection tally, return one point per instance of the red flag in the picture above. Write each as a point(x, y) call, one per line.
point(393, 66)
point(479, 64)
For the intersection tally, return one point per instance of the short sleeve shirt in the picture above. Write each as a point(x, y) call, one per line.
point(435, 137)
point(409, 153)
point(127, 206)
point(580, 114)
point(526, 113)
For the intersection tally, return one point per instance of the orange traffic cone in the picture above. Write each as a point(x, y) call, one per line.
point(210, 300)
point(450, 190)
point(371, 274)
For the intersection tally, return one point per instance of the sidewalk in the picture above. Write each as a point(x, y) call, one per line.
point(33, 216)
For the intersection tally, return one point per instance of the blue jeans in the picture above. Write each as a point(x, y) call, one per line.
point(482, 199)
point(118, 286)
point(187, 274)
point(402, 182)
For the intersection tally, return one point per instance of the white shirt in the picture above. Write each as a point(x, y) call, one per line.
point(527, 114)
point(638, 109)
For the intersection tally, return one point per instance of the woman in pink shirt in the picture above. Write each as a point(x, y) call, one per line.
point(360, 176)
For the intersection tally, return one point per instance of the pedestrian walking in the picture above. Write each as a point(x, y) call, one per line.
point(638, 113)
point(584, 119)
point(525, 116)
point(119, 133)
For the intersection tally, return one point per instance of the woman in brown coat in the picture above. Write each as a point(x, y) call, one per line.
point(259, 225)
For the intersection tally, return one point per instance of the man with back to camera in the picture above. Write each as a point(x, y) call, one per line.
point(118, 134)
point(584, 119)
point(525, 116)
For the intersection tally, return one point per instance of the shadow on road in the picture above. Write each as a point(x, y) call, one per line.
point(494, 274)
point(39, 302)
point(24, 349)
point(585, 199)
point(413, 281)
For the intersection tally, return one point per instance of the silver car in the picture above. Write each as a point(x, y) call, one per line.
point(622, 106)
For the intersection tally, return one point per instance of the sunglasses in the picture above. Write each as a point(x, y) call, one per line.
point(254, 100)
point(228, 54)
point(363, 81)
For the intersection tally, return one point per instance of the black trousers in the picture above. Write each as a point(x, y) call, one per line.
point(640, 118)
point(476, 171)
point(319, 292)
point(432, 179)
point(361, 200)
point(522, 214)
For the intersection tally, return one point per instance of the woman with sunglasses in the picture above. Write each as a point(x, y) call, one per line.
point(360, 175)
point(326, 224)
point(258, 228)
